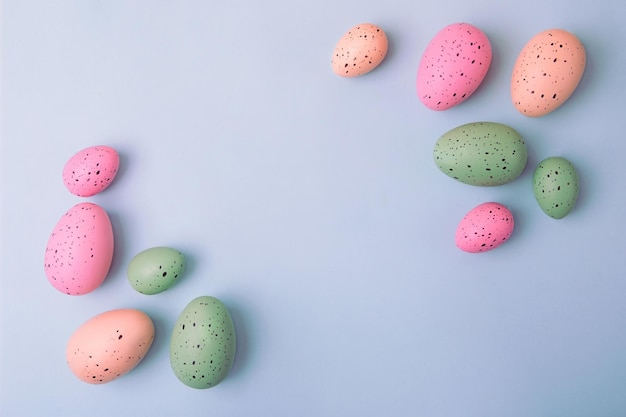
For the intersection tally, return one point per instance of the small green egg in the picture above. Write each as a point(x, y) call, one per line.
point(155, 270)
point(555, 185)
point(203, 343)
point(483, 154)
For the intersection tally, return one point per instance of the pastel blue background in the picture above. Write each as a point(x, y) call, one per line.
point(310, 205)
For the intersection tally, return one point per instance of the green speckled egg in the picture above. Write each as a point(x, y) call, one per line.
point(555, 184)
point(202, 346)
point(155, 270)
point(483, 153)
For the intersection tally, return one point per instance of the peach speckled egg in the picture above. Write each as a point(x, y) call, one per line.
point(546, 72)
point(109, 345)
point(80, 250)
point(484, 228)
point(359, 50)
point(453, 65)
point(91, 170)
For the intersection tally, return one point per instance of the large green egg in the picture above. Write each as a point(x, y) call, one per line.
point(203, 343)
point(155, 270)
point(483, 153)
point(555, 185)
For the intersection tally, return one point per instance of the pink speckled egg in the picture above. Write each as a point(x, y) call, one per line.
point(80, 250)
point(484, 228)
point(360, 50)
point(91, 170)
point(546, 72)
point(453, 65)
point(109, 345)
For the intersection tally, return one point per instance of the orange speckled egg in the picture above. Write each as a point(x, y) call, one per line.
point(109, 345)
point(546, 72)
point(359, 50)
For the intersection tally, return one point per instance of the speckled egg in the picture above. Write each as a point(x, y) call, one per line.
point(91, 170)
point(483, 153)
point(360, 50)
point(453, 65)
point(484, 228)
point(109, 345)
point(202, 346)
point(80, 250)
point(555, 185)
point(546, 72)
point(154, 270)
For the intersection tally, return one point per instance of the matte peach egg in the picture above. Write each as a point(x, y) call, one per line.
point(546, 72)
point(360, 50)
point(109, 345)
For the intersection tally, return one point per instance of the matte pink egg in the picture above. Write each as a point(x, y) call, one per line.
point(91, 170)
point(547, 72)
point(80, 250)
point(484, 228)
point(453, 65)
point(109, 345)
point(360, 50)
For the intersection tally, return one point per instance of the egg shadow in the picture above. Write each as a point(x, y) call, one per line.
point(121, 170)
point(587, 185)
point(191, 265)
point(489, 84)
point(155, 362)
point(119, 249)
point(593, 74)
point(391, 50)
point(242, 320)
point(160, 345)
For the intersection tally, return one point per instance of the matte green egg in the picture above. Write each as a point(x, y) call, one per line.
point(155, 270)
point(555, 184)
point(203, 343)
point(482, 153)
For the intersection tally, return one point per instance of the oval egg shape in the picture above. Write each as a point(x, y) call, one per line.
point(484, 228)
point(555, 185)
point(203, 343)
point(453, 65)
point(80, 250)
point(546, 72)
point(154, 270)
point(360, 50)
point(109, 345)
point(91, 170)
point(482, 153)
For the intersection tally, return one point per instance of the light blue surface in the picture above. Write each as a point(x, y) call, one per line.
point(310, 205)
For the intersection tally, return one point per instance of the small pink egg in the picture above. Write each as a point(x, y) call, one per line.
point(109, 345)
point(453, 65)
point(91, 170)
point(80, 250)
point(484, 228)
point(359, 50)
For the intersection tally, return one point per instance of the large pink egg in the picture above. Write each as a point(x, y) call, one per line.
point(91, 170)
point(484, 228)
point(109, 345)
point(453, 65)
point(80, 250)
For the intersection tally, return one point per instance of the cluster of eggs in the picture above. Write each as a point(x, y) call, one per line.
point(111, 344)
point(454, 64)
